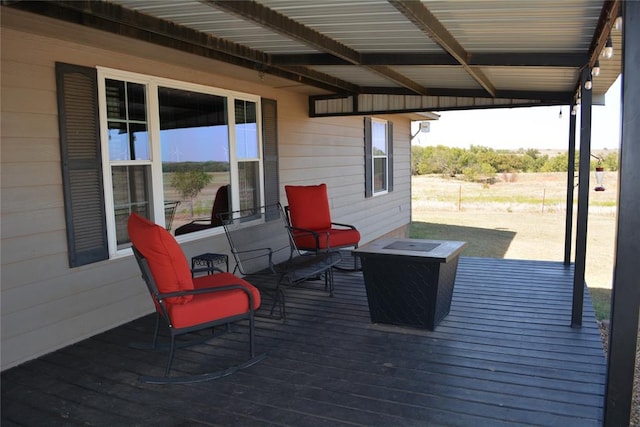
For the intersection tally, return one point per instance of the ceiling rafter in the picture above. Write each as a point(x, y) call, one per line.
point(564, 59)
point(422, 17)
point(269, 18)
point(605, 23)
point(116, 19)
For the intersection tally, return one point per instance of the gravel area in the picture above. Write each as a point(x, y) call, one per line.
point(635, 406)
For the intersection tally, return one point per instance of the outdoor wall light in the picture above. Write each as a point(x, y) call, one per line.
point(608, 49)
point(595, 71)
point(574, 110)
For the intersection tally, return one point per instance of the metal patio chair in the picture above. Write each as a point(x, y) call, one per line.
point(309, 216)
point(187, 304)
point(265, 253)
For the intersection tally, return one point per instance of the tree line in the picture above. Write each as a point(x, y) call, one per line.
point(479, 163)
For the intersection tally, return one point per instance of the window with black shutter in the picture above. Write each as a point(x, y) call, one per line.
point(378, 156)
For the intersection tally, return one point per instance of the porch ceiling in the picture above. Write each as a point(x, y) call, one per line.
point(427, 54)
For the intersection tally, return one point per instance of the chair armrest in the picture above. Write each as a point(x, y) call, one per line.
point(344, 225)
point(314, 233)
point(200, 220)
point(209, 290)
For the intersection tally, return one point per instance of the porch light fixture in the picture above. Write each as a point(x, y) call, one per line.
point(617, 24)
point(595, 71)
point(574, 110)
point(588, 85)
point(608, 49)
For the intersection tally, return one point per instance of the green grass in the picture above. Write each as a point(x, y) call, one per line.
point(601, 300)
point(492, 243)
point(520, 219)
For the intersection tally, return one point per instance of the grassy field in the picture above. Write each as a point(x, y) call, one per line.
point(519, 217)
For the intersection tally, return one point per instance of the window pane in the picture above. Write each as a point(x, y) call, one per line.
point(115, 99)
point(246, 130)
point(136, 102)
point(127, 127)
point(249, 185)
point(379, 138)
point(194, 140)
point(128, 141)
point(379, 174)
point(131, 193)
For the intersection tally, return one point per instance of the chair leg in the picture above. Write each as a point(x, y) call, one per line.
point(156, 330)
point(170, 357)
point(251, 325)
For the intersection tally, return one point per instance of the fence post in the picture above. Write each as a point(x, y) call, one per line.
point(544, 196)
point(459, 197)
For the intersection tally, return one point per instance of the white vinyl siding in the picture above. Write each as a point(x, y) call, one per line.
point(45, 305)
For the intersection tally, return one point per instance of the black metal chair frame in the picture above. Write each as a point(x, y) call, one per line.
point(162, 314)
point(281, 263)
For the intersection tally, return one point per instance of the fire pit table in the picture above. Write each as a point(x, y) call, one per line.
point(409, 282)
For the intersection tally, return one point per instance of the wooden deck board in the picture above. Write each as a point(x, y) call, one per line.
point(505, 355)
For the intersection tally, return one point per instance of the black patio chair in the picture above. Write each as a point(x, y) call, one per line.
point(265, 252)
point(187, 304)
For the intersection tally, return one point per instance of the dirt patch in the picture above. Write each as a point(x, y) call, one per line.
point(517, 207)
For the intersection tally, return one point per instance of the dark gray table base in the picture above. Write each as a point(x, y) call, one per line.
point(408, 292)
point(409, 282)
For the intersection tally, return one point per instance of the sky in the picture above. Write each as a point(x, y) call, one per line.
point(529, 127)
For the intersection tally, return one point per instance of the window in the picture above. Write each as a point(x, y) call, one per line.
point(378, 156)
point(123, 136)
point(170, 143)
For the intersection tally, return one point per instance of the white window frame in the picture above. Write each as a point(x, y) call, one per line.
point(153, 122)
point(375, 193)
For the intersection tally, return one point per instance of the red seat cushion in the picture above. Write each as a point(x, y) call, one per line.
point(309, 206)
point(330, 238)
point(216, 305)
point(168, 265)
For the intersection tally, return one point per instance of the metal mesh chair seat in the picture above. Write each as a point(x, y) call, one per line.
point(263, 248)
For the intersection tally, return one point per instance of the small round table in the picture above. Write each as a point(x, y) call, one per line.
point(209, 260)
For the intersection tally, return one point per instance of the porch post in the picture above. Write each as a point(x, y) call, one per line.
point(583, 200)
point(626, 287)
point(571, 166)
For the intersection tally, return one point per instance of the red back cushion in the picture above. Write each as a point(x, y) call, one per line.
point(309, 206)
point(167, 262)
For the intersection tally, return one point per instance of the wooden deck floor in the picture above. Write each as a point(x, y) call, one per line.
point(505, 355)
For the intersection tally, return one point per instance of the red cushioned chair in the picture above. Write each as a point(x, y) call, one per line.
point(185, 303)
point(310, 219)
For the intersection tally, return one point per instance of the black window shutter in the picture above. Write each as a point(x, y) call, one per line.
point(390, 156)
point(81, 164)
point(368, 159)
point(270, 153)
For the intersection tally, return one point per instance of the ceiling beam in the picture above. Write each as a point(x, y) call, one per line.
point(272, 20)
point(607, 18)
point(563, 98)
point(563, 59)
point(118, 20)
point(422, 17)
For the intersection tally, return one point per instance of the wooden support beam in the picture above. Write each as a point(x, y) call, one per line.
point(271, 19)
point(422, 17)
point(512, 59)
point(583, 201)
point(626, 292)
